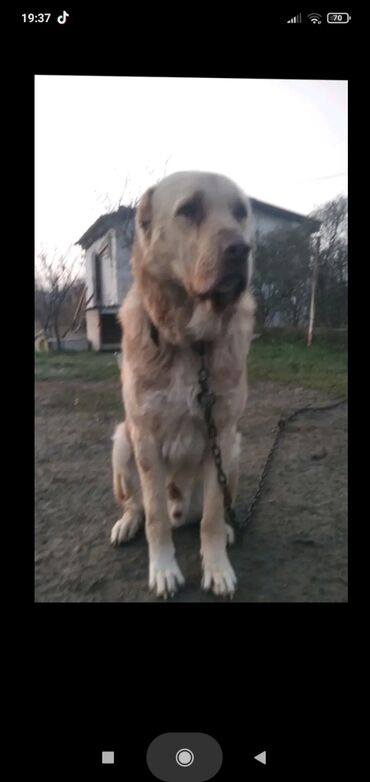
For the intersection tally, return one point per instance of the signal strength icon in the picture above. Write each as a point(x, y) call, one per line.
point(315, 18)
point(295, 20)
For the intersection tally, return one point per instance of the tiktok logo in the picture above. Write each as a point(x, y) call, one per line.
point(63, 17)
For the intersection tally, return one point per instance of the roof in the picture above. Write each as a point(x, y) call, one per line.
point(286, 214)
point(107, 221)
point(103, 224)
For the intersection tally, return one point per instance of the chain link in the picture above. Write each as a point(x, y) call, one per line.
point(207, 400)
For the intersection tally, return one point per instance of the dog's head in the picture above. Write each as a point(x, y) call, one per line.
point(194, 236)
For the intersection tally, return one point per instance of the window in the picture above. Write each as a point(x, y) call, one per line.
point(97, 280)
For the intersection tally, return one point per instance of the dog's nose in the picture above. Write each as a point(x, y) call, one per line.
point(236, 253)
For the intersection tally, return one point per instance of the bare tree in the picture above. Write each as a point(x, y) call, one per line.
point(280, 280)
point(332, 276)
point(56, 278)
point(285, 268)
point(126, 204)
point(126, 198)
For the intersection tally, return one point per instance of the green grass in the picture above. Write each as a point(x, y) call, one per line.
point(88, 366)
point(285, 361)
point(322, 367)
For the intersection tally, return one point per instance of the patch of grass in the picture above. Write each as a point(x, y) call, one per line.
point(86, 365)
point(333, 338)
point(323, 366)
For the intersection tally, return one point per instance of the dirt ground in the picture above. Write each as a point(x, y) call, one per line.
point(294, 551)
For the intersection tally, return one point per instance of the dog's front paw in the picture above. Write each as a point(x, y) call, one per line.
point(219, 576)
point(165, 576)
point(126, 528)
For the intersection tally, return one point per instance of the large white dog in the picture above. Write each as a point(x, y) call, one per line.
point(192, 265)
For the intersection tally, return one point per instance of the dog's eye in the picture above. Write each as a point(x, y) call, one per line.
point(145, 224)
point(192, 210)
point(240, 211)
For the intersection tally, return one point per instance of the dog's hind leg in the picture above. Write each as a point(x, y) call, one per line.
point(126, 487)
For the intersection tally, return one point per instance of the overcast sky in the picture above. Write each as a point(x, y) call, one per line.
point(282, 141)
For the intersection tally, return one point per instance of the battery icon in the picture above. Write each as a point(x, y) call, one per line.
point(334, 18)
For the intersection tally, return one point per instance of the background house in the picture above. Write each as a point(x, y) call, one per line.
point(268, 218)
point(107, 244)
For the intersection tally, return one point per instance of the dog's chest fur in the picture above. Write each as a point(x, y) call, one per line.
point(166, 399)
point(161, 385)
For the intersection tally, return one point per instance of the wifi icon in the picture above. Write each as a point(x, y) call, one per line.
point(314, 18)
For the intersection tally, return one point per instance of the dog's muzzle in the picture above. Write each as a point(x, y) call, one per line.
point(233, 275)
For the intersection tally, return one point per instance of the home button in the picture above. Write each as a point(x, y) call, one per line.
point(184, 757)
point(189, 757)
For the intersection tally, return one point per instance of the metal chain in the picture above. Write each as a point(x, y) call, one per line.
point(207, 399)
point(281, 426)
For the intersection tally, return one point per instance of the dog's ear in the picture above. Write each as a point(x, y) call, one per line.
point(144, 216)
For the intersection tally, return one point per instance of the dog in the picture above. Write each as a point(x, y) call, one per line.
point(192, 264)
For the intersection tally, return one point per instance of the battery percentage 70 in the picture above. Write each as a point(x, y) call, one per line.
point(335, 18)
